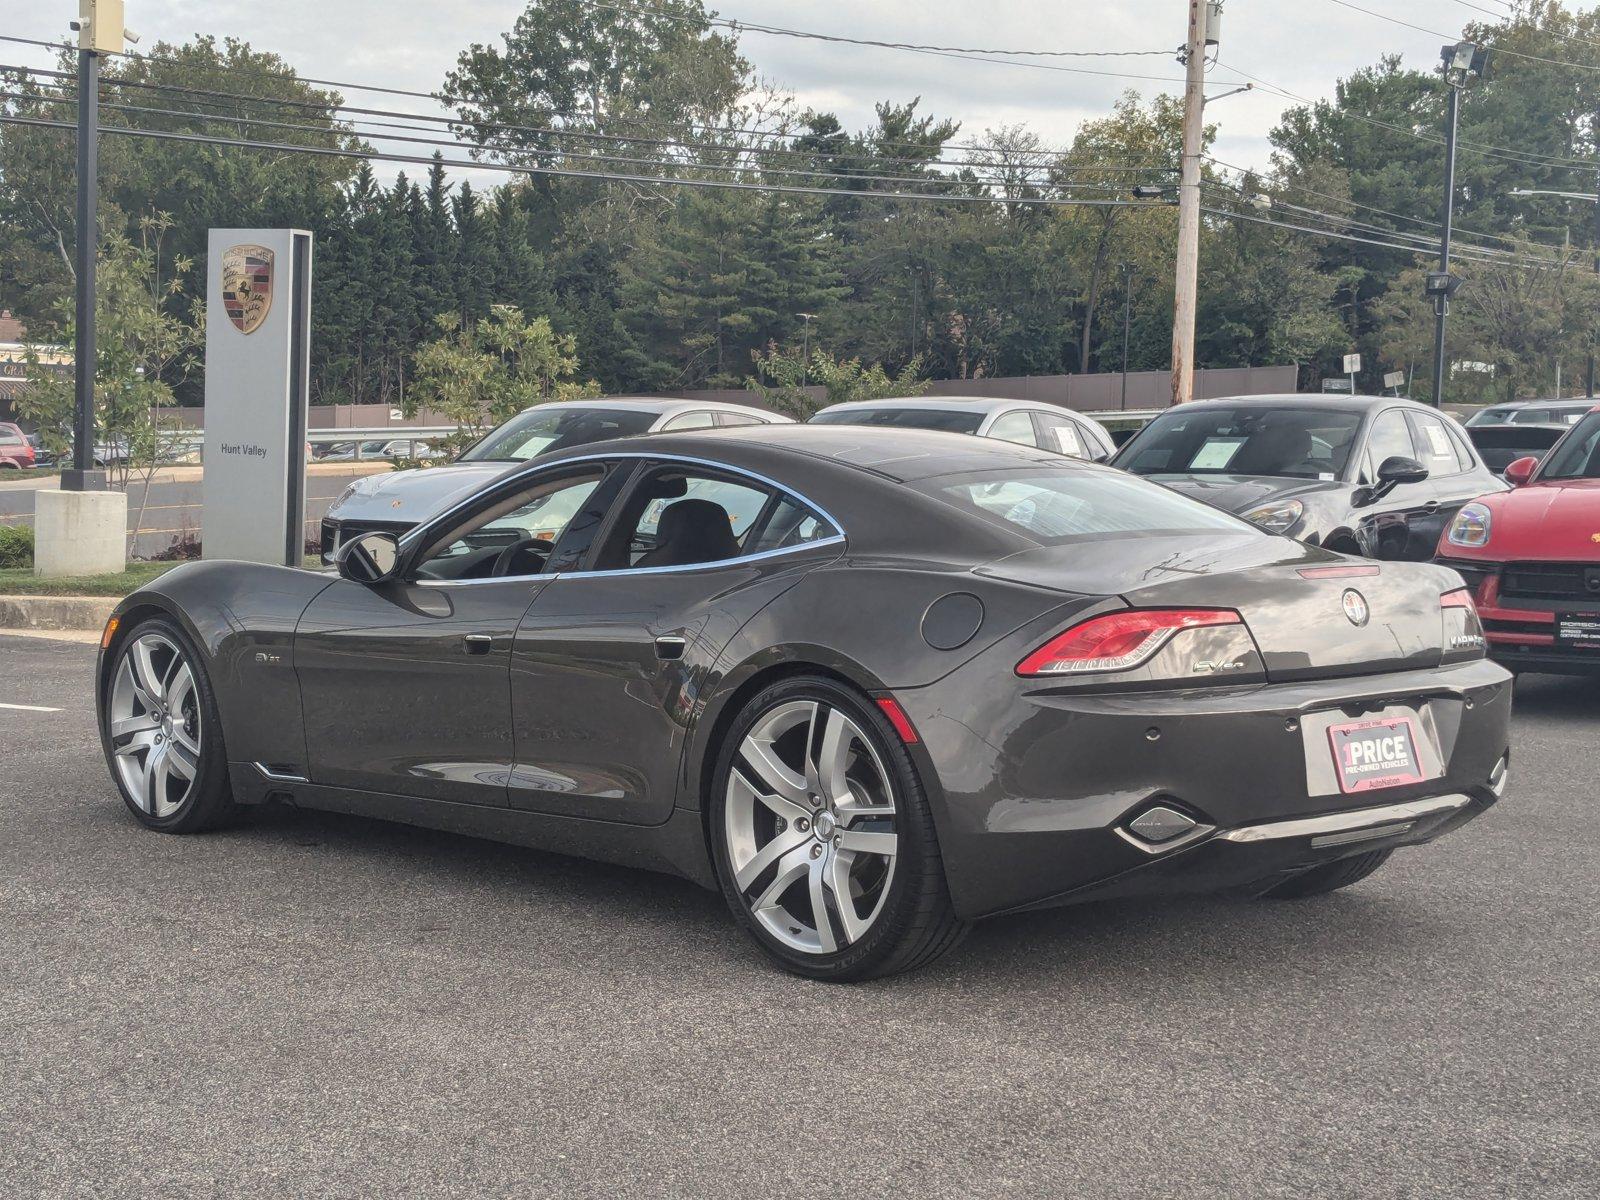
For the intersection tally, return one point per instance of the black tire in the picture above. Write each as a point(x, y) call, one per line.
point(1329, 877)
point(917, 922)
point(209, 803)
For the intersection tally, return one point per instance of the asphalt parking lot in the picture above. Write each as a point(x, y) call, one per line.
point(314, 1005)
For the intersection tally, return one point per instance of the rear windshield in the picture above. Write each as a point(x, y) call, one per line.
point(1062, 507)
point(1291, 443)
point(539, 431)
point(1578, 457)
point(945, 419)
point(1490, 416)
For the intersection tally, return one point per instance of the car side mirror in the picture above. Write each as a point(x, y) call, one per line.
point(1519, 472)
point(1101, 458)
point(370, 558)
point(1399, 469)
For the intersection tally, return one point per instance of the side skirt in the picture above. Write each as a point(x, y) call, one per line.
point(676, 847)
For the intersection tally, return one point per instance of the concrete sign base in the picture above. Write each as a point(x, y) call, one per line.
point(79, 533)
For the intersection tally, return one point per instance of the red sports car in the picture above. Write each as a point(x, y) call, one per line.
point(1532, 557)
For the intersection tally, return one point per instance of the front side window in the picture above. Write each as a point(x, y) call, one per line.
point(1578, 456)
point(1015, 427)
point(1299, 442)
point(513, 537)
point(946, 419)
point(1068, 506)
point(546, 430)
point(679, 516)
point(1390, 437)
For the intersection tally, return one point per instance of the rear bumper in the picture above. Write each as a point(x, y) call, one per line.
point(1035, 810)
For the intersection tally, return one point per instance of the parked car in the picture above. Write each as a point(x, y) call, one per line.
point(1532, 557)
point(1047, 426)
point(16, 451)
point(1531, 412)
point(978, 680)
point(1370, 475)
point(397, 501)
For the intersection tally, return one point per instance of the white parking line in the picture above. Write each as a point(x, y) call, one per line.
point(29, 708)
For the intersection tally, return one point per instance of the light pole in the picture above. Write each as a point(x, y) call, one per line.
point(1588, 384)
point(1127, 314)
point(805, 347)
point(1461, 61)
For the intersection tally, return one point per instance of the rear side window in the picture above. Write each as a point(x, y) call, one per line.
point(1015, 427)
point(948, 420)
point(1063, 507)
point(1436, 449)
point(1063, 431)
point(728, 418)
point(690, 420)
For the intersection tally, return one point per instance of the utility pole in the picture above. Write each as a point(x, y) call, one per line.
point(100, 31)
point(1127, 314)
point(1462, 60)
point(1188, 264)
point(1589, 377)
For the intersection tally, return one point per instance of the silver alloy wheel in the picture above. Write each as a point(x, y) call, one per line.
point(154, 724)
point(810, 825)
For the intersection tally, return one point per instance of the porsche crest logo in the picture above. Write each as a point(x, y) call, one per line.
point(247, 285)
point(1595, 538)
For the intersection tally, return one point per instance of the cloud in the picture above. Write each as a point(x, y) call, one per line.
point(1302, 45)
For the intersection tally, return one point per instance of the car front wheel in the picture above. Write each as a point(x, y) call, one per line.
point(162, 732)
point(822, 836)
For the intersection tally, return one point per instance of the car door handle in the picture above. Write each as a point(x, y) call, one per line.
point(479, 643)
point(670, 648)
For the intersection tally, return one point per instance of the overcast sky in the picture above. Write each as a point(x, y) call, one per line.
point(1301, 45)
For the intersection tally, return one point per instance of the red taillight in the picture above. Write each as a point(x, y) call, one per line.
point(1460, 598)
point(1118, 641)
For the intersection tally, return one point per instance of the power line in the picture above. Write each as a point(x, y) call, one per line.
point(1554, 62)
point(755, 27)
point(442, 99)
point(1345, 237)
point(1284, 185)
point(211, 98)
point(1522, 158)
point(682, 164)
point(607, 176)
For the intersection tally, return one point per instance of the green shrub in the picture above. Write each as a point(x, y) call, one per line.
point(16, 546)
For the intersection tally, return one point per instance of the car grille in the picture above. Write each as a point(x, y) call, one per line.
point(1550, 581)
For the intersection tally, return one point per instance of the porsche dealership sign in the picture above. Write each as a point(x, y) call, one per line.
point(258, 336)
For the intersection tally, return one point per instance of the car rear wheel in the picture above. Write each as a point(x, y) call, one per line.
point(822, 836)
point(1329, 877)
point(162, 732)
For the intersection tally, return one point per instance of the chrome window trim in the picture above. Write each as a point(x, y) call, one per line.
point(836, 540)
point(636, 455)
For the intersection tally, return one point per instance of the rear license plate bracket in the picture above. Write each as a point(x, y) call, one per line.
point(1382, 752)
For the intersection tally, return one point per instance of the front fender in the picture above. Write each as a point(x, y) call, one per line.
point(242, 618)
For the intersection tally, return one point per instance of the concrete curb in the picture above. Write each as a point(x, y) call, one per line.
point(56, 612)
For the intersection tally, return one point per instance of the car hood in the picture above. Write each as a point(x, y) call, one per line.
point(412, 496)
point(1242, 493)
point(1557, 521)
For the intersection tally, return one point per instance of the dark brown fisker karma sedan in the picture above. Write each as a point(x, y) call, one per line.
point(871, 684)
